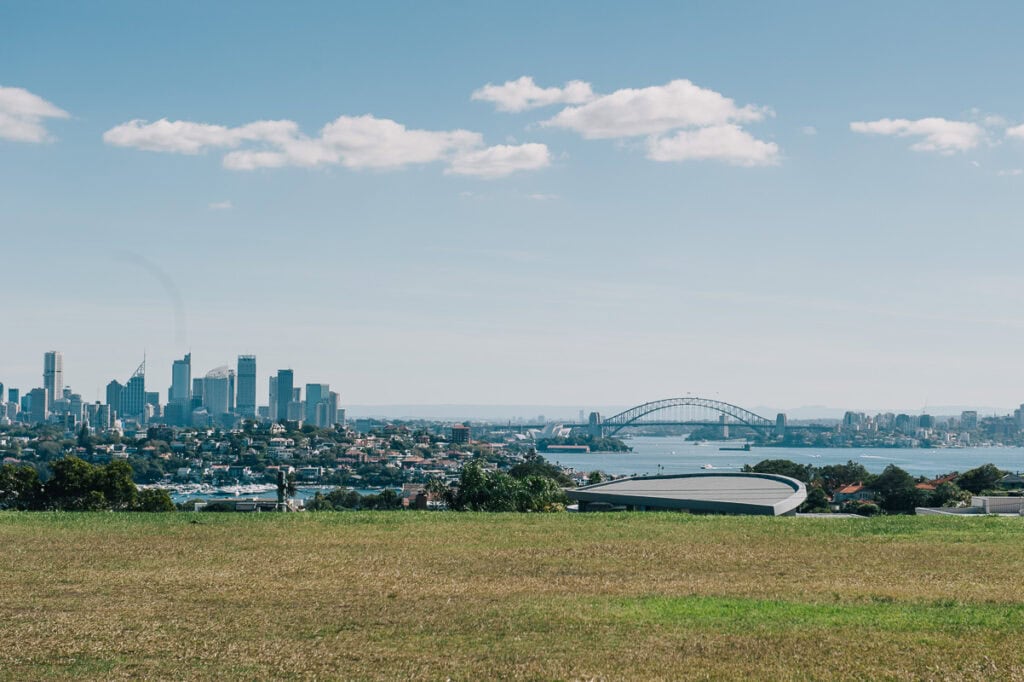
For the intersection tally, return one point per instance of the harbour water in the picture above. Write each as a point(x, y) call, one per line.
point(676, 455)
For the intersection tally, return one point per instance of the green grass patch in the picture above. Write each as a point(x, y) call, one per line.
point(379, 595)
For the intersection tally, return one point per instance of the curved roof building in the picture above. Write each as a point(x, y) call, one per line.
point(717, 493)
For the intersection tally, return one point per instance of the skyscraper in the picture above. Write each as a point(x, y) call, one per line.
point(232, 388)
point(285, 382)
point(133, 400)
point(315, 393)
point(273, 398)
point(53, 375)
point(333, 399)
point(181, 381)
point(216, 387)
point(39, 405)
point(247, 385)
point(115, 391)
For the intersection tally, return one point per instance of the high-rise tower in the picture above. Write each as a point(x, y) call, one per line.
point(53, 375)
point(246, 400)
point(285, 382)
point(181, 381)
point(133, 400)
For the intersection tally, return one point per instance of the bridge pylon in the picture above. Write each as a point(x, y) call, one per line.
point(595, 428)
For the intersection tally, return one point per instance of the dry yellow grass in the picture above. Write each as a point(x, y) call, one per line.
point(477, 596)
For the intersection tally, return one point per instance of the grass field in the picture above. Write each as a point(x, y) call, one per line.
point(478, 596)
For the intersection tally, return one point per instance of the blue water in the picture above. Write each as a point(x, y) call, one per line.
point(675, 455)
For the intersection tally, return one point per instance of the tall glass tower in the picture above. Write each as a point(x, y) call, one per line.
point(53, 375)
point(285, 383)
point(247, 385)
point(181, 381)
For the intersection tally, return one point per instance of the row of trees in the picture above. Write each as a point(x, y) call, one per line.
point(76, 485)
point(533, 487)
point(896, 491)
point(340, 499)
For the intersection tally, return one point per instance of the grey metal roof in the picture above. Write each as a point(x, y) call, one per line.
point(735, 493)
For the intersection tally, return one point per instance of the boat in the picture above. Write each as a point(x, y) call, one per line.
point(708, 466)
point(744, 448)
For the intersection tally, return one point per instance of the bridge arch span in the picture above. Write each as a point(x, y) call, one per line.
point(734, 414)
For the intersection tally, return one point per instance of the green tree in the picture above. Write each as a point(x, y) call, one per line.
point(543, 495)
point(154, 500)
point(437, 488)
point(897, 492)
point(948, 494)
point(71, 485)
point(20, 488)
point(595, 477)
point(535, 465)
point(48, 450)
point(835, 476)
point(495, 491)
point(115, 482)
point(782, 467)
point(319, 503)
point(862, 508)
point(980, 479)
point(76, 485)
point(344, 499)
point(817, 501)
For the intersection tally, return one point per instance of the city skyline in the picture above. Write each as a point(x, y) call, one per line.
point(240, 396)
point(581, 204)
point(221, 392)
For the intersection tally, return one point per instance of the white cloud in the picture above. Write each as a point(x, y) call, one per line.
point(939, 134)
point(22, 115)
point(186, 137)
point(653, 110)
point(682, 121)
point(1011, 172)
point(221, 206)
point(356, 142)
point(809, 130)
point(540, 196)
point(1016, 131)
point(501, 160)
point(522, 94)
point(728, 143)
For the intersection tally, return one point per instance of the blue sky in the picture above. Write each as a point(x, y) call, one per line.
point(828, 213)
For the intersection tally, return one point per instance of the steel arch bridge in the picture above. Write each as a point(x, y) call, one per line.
point(688, 411)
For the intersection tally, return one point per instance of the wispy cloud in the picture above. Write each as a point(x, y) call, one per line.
point(500, 160)
point(221, 205)
point(681, 120)
point(522, 94)
point(22, 115)
point(356, 142)
point(653, 110)
point(728, 143)
point(935, 134)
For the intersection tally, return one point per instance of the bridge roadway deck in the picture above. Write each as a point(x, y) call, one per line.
point(731, 424)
